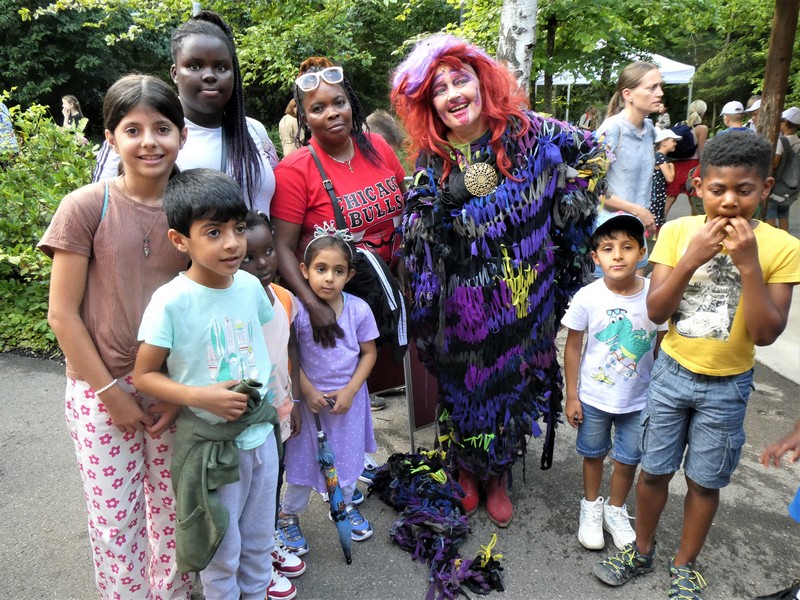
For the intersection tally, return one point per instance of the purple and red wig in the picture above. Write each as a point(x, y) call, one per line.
point(413, 101)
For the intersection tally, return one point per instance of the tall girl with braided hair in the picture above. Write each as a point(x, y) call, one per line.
point(220, 136)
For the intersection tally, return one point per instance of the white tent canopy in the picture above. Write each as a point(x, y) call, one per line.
point(672, 72)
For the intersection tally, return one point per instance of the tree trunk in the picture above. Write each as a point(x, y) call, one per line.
point(550, 48)
point(518, 39)
point(776, 75)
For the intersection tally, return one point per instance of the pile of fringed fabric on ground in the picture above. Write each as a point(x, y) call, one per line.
point(432, 524)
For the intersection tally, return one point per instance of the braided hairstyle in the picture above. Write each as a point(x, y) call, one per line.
point(255, 218)
point(318, 63)
point(242, 152)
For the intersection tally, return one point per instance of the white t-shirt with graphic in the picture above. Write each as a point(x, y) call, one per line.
point(213, 335)
point(618, 358)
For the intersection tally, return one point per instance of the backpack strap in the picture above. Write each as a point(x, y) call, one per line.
point(785, 155)
point(223, 159)
point(105, 202)
point(285, 298)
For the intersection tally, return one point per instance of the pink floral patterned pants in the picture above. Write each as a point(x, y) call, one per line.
point(129, 498)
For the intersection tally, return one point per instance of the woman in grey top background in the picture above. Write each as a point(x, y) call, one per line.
point(630, 136)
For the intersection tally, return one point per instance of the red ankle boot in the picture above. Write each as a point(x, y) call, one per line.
point(498, 504)
point(471, 491)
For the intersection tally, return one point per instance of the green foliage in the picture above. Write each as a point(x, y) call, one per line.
point(727, 40)
point(478, 22)
point(361, 36)
point(51, 162)
point(53, 55)
point(272, 38)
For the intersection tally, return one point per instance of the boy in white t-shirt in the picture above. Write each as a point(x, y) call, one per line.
point(608, 385)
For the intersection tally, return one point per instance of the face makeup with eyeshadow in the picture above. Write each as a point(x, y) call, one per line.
point(456, 97)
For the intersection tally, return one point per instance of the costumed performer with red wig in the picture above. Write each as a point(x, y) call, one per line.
point(495, 238)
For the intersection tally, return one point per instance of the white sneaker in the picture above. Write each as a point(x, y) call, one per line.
point(617, 522)
point(590, 532)
point(289, 565)
point(280, 588)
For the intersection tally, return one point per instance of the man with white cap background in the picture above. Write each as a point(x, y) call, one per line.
point(753, 109)
point(778, 213)
point(733, 117)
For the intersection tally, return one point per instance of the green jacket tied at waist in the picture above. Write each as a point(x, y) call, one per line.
point(205, 459)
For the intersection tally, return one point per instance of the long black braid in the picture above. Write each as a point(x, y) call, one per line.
point(243, 155)
point(359, 115)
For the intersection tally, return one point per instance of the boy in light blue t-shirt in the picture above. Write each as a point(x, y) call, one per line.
point(206, 326)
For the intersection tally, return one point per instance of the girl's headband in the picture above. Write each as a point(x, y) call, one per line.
point(328, 230)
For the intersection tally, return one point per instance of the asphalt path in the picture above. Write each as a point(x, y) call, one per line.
point(752, 548)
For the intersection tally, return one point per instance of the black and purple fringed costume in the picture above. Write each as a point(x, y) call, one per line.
point(491, 277)
point(432, 524)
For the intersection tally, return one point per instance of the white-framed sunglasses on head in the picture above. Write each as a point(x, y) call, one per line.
point(310, 81)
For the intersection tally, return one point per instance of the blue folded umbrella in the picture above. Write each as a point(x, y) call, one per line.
point(335, 496)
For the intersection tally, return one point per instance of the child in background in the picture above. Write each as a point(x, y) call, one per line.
point(614, 374)
point(205, 325)
point(103, 275)
point(261, 261)
point(71, 110)
point(663, 121)
point(725, 284)
point(664, 173)
point(333, 385)
point(778, 212)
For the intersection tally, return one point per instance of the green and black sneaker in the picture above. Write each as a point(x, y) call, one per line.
point(623, 566)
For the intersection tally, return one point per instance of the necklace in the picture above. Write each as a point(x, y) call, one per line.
point(146, 238)
point(349, 160)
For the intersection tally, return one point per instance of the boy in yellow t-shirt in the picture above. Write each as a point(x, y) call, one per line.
point(724, 281)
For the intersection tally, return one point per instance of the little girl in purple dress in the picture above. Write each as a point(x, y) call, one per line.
point(333, 382)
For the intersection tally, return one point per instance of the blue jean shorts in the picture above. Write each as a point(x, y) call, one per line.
point(699, 415)
point(778, 211)
point(594, 435)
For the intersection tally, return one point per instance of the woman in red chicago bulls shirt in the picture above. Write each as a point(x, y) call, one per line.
point(366, 174)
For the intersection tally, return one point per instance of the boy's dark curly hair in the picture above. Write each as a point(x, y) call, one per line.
point(737, 149)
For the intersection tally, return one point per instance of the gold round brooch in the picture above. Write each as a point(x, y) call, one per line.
point(480, 179)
